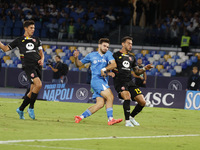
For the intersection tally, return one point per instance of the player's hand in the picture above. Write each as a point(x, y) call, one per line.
point(103, 73)
point(141, 78)
point(41, 62)
point(144, 82)
point(76, 53)
point(148, 67)
point(112, 74)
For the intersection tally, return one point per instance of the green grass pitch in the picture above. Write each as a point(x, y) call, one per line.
point(55, 120)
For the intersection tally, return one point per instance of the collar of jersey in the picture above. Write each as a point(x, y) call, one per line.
point(27, 38)
point(100, 54)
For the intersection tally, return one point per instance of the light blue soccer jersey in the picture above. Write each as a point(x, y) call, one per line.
point(98, 83)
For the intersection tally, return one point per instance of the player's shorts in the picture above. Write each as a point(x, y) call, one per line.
point(99, 85)
point(127, 86)
point(33, 72)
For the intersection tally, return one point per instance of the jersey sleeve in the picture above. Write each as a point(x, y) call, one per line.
point(86, 59)
point(39, 44)
point(134, 63)
point(13, 44)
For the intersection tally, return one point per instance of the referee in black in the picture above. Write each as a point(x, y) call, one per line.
point(31, 52)
point(123, 83)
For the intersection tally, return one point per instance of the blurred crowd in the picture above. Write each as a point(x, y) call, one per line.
point(80, 20)
point(170, 28)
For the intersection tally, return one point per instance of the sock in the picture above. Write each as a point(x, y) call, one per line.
point(109, 113)
point(138, 108)
point(33, 99)
point(126, 106)
point(85, 114)
point(24, 103)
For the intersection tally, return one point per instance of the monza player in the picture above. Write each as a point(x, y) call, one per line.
point(101, 61)
point(31, 52)
point(125, 87)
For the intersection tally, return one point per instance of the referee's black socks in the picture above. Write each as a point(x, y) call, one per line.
point(126, 106)
point(138, 108)
point(33, 99)
point(25, 103)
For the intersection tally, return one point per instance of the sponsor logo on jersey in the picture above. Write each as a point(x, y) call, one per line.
point(126, 64)
point(34, 40)
point(32, 75)
point(95, 61)
point(30, 46)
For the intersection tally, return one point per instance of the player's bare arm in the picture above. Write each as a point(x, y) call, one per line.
point(141, 71)
point(3, 47)
point(111, 66)
point(78, 63)
point(136, 76)
point(41, 61)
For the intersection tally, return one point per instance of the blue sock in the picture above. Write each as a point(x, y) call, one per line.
point(87, 113)
point(109, 112)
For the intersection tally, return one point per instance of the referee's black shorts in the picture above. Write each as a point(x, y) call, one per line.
point(33, 72)
point(127, 86)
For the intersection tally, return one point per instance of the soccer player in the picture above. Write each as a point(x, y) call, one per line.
point(125, 87)
point(101, 62)
point(31, 52)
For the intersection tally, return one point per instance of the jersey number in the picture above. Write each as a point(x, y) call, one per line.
point(138, 91)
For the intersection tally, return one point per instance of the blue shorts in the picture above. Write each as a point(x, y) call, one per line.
point(99, 85)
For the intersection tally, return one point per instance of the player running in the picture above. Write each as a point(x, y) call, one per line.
point(123, 83)
point(101, 61)
point(31, 53)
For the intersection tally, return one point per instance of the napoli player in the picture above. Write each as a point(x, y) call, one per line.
point(101, 62)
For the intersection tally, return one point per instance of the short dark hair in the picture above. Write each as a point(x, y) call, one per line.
point(58, 56)
point(102, 40)
point(28, 23)
point(126, 38)
point(195, 67)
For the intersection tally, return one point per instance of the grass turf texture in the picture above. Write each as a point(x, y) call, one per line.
point(55, 120)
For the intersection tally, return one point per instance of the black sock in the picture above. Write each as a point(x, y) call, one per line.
point(126, 106)
point(33, 99)
point(138, 108)
point(25, 103)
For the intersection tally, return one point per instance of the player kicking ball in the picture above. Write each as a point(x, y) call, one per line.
point(123, 83)
point(101, 62)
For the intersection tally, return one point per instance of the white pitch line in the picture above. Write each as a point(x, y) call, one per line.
point(9, 101)
point(53, 147)
point(98, 138)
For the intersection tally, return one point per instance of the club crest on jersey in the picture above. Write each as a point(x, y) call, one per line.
point(34, 40)
point(32, 75)
point(120, 57)
point(130, 58)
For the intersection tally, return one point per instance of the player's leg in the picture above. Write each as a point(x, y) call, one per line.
point(26, 101)
point(108, 95)
point(137, 95)
point(126, 106)
point(100, 101)
point(37, 85)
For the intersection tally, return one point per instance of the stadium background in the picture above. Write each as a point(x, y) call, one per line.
point(156, 27)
